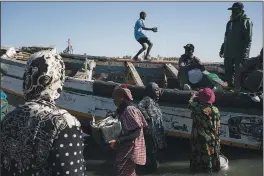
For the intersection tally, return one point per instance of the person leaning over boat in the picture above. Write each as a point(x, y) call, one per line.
point(237, 42)
point(130, 147)
point(4, 102)
point(250, 75)
point(141, 37)
point(155, 135)
point(38, 138)
point(190, 70)
point(205, 142)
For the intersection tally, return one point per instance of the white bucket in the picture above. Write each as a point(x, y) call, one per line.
point(223, 162)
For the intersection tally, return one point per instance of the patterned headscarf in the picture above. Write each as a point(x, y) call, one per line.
point(123, 91)
point(206, 96)
point(44, 76)
point(151, 89)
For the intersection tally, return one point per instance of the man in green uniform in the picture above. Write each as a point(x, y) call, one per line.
point(237, 42)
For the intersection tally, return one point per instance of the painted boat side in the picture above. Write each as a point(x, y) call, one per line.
point(177, 120)
point(84, 95)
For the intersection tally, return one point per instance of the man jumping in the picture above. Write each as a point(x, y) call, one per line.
point(141, 37)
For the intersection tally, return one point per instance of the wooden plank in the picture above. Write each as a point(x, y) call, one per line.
point(165, 81)
point(86, 71)
point(174, 72)
point(132, 70)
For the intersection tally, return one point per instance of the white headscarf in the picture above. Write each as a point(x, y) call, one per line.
point(44, 76)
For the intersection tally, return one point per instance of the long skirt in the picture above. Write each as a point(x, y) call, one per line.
point(124, 166)
point(151, 151)
point(204, 158)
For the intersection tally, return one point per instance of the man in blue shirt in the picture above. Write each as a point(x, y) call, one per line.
point(141, 37)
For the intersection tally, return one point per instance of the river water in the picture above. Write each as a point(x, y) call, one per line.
point(175, 162)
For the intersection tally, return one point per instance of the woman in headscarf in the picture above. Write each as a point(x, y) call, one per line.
point(205, 142)
point(155, 135)
point(4, 102)
point(38, 138)
point(130, 146)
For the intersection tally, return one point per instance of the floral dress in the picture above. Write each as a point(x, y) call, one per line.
point(205, 142)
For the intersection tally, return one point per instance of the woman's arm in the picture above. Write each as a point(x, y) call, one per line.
point(193, 102)
point(129, 137)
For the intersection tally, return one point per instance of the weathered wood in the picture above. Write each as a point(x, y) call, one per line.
point(132, 70)
point(165, 81)
point(241, 118)
point(174, 72)
point(86, 72)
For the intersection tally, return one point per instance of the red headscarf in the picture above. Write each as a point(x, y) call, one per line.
point(206, 95)
point(124, 90)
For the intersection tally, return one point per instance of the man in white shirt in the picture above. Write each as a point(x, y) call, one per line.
point(141, 37)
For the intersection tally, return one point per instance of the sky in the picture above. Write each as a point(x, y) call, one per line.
point(107, 28)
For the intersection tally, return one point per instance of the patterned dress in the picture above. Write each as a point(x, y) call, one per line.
point(40, 139)
point(130, 153)
point(153, 115)
point(205, 143)
point(37, 138)
point(155, 135)
point(4, 105)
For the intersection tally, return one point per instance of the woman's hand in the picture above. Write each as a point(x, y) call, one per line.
point(112, 144)
point(193, 95)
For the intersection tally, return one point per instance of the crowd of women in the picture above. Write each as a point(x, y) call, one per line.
point(38, 138)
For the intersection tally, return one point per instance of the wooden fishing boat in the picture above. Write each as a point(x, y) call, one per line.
point(90, 81)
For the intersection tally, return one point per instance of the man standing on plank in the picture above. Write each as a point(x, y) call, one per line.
point(141, 37)
point(237, 42)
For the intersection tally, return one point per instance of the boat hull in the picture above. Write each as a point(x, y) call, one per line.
point(241, 119)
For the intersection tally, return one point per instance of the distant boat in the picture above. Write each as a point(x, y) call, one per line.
point(90, 81)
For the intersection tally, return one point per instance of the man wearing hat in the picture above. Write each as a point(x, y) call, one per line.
point(237, 42)
point(4, 103)
point(190, 69)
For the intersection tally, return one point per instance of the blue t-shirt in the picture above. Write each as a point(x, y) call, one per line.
point(138, 31)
